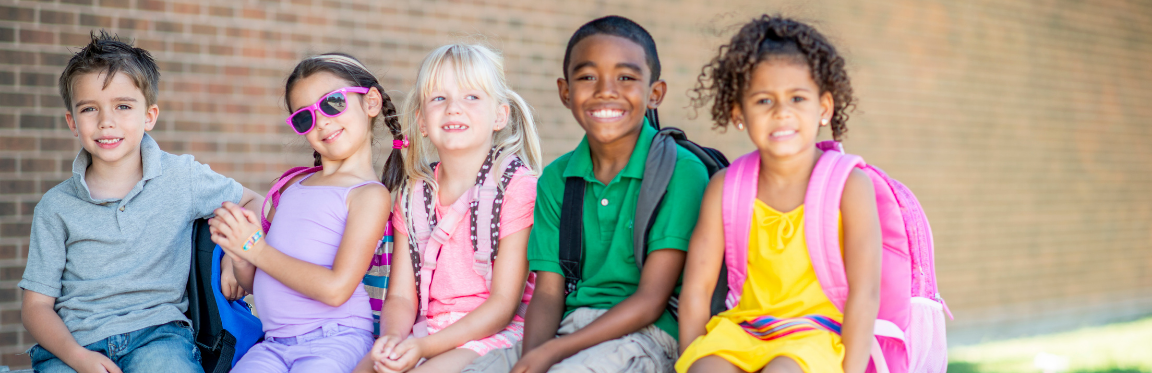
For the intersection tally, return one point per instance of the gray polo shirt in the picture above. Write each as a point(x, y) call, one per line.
point(120, 265)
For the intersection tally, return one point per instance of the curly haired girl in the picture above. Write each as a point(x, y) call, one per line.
point(781, 80)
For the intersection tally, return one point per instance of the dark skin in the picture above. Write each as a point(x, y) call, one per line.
point(608, 91)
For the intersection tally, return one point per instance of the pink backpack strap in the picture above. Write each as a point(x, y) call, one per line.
point(821, 219)
point(736, 204)
point(273, 195)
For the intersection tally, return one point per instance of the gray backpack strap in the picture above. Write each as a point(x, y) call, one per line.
point(657, 174)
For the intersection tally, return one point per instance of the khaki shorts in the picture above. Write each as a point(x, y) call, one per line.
point(647, 350)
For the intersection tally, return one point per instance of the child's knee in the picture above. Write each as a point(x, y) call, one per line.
point(782, 364)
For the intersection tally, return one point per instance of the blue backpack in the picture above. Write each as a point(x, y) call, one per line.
point(223, 330)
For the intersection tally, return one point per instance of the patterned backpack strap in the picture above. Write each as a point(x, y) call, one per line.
point(486, 235)
point(737, 199)
point(273, 195)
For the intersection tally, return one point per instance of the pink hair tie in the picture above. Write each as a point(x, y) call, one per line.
point(399, 144)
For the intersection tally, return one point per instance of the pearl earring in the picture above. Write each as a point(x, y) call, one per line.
point(739, 126)
point(823, 122)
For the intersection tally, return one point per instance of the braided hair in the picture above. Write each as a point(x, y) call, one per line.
point(724, 80)
point(349, 68)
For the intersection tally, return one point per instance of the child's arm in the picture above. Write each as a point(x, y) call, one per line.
point(400, 305)
point(545, 311)
point(367, 214)
point(657, 281)
point(232, 282)
point(702, 267)
point(46, 327)
point(862, 258)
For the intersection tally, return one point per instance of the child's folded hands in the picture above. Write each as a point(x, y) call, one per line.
point(238, 232)
point(395, 354)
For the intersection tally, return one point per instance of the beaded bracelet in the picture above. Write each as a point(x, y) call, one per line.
point(253, 240)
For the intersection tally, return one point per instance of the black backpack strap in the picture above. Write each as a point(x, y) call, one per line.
point(572, 232)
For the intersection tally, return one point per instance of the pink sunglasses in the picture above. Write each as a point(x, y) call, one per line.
point(331, 105)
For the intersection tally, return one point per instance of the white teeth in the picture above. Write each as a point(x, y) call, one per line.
point(454, 127)
point(332, 135)
point(108, 141)
point(783, 133)
point(607, 113)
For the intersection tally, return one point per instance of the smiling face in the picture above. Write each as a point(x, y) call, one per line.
point(607, 89)
point(110, 121)
point(457, 118)
point(782, 109)
point(339, 137)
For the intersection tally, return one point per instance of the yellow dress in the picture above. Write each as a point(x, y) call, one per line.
point(781, 283)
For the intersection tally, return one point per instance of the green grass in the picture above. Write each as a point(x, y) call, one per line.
point(1116, 348)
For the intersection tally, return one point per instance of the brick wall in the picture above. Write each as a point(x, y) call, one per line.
point(1020, 125)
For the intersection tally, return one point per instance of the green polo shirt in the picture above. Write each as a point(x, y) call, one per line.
point(610, 272)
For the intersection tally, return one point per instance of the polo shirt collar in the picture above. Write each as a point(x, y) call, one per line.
point(581, 162)
point(150, 156)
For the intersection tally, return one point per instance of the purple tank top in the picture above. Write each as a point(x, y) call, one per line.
point(308, 225)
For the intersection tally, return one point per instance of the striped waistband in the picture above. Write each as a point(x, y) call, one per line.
point(768, 328)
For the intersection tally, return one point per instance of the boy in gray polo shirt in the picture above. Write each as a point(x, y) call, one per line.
point(108, 262)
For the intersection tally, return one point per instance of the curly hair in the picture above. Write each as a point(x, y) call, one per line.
point(724, 80)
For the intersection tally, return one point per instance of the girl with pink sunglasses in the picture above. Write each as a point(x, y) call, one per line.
point(327, 222)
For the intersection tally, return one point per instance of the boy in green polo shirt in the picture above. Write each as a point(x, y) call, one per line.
point(615, 319)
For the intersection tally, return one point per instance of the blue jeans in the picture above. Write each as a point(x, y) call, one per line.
point(160, 348)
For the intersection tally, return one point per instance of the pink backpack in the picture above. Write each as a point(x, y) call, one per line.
point(376, 280)
point(910, 325)
point(427, 233)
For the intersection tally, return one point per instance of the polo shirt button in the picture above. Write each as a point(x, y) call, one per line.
point(604, 202)
point(121, 208)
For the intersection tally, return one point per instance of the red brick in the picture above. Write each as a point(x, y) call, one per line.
point(17, 360)
point(219, 11)
point(7, 165)
point(8, 13)
point(169, 26)
point(37, 37)
point(8, 251)
point(77, 2)
point(7, 78)
point(186, 47)
point(116, 3)
point(41, 122)
point(253, 13)
point(62, 18)
point(37, 165)
point(152, 5)
point(74, 39)
point(95, 21)
point(17, 143)
point(203, 30)
point(133, 24)
point(17, 57)
point(17, 187)
point(9, 317)
point(17, 99)
point(185, 8)
point(59, 144)
point(222, 50)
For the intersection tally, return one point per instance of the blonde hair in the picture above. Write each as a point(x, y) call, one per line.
point(476, 67)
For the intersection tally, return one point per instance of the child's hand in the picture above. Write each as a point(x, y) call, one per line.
point(94, 362)
point(228, 283)
point(232, 227)
point(539, 360)
point(397, 357)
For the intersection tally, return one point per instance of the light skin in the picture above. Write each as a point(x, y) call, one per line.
point(460, 122)
point(608, 90)
point(345, 146)
point(782, 111)
point(110, 123)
